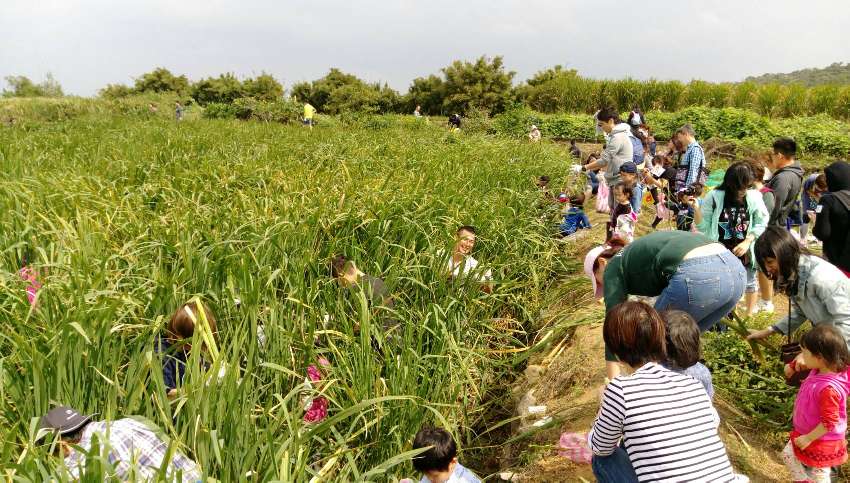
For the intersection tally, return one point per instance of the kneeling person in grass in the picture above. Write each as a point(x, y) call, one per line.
point(134, 449)
point(176, 345)
point(439, 463)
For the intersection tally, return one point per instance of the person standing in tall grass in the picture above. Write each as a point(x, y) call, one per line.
point(462, 264)
point(176, 345)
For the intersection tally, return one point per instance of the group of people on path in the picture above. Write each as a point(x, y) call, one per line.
point(656, 421)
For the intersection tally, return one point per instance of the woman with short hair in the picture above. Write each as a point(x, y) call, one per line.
point(654, 424)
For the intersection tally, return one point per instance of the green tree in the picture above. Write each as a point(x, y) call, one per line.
point(22, 86)
point(162, 80)
point(224, 89)
point(483, 84)
point(115, 91)
point(263, 87)
point(426, 92)
point(339, 92)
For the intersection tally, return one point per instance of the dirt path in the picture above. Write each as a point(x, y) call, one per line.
point(569, 384)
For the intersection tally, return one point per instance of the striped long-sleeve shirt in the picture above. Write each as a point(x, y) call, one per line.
point(667, 424)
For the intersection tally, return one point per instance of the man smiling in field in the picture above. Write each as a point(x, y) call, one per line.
point(461, 263)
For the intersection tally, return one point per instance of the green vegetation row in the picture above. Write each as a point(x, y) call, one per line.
point(837, 73)
point(486, 84)
point(129, 216)
point(818, 135)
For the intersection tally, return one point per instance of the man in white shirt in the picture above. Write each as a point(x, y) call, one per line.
point(461, 263)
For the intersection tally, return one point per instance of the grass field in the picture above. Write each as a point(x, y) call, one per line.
point(125, 218)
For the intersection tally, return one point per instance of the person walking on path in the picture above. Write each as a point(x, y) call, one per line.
point(735, 215)
point(833, 219)
point(787, 180)
point(686, 271)
point(618, 149)
point(817, 290)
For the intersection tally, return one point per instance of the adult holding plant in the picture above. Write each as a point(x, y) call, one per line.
point(618, 149)
point(833, 220)
point(735, 215)
point(692, 166)
point(786, 181)
point(686, 271)
point(816, 289)
point(665, 420)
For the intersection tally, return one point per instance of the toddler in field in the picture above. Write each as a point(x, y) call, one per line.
point(623, 219)
point(820, 411)
point(439, 463)
point(683, 348)
point(176, 344)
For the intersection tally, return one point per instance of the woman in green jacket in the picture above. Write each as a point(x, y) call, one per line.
point(735, 215)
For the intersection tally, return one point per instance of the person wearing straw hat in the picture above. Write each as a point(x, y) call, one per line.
point(686, 271)
point(134, 449)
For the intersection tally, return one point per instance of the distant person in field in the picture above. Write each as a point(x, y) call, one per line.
point(309, 115)
point(542, 184)
point(152, 107)
point(686, 271)
point(131, 446)
point(439, 463)
point(351, 278)
point(735, 215)
point(176, 345)
point(574, 150)
point(817, 290)
point(818, 438)
point(653, 424)
point(178, 111)
point(833, 218)
point(683, 348)
point(692, 166)
point(636, 117)
point(534, 134)
point(618, 149)
point(660, 178)
point(462, 264)
point(454, 122)
point(593, 175)
point(786, 180)
point(418, 111)
point(574, 218)
point(814, 186)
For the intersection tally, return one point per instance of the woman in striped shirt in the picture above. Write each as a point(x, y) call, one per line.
point(655, 424)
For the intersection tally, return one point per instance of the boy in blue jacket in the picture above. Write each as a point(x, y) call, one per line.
point(574, 217)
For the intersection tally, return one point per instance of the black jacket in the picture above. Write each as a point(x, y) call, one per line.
point(832, 225)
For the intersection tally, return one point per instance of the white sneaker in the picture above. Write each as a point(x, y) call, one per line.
point(765, 306)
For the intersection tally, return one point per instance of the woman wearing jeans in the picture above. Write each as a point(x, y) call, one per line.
point(735, 215)
point(654, 424)
point(686, 271)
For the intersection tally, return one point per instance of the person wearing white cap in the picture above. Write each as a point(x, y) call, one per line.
point(534, 134)
point(132, 448)
point(686, 271)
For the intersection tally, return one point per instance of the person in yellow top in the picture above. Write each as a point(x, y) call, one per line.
point(309, 112)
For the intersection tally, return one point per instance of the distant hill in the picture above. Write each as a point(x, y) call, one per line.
point(837, 73)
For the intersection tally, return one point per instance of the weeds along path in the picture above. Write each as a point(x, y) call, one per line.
point(125, 218)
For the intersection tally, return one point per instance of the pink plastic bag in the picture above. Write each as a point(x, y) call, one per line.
point(574, 446)
point(661, 210)
point(317, 409)
point(602, 196)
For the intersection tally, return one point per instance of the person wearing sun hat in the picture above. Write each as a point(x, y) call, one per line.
point(686, 271)
point(134, 448)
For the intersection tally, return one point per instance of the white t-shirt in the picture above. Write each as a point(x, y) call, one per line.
point(469, 265)
point(459, 475)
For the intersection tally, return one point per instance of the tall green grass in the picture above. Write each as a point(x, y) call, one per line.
point(128, 217)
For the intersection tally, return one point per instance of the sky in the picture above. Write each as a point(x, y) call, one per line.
point(87, 44)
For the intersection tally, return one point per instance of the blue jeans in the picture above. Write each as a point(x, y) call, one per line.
point(708, 288)
point(614, 468)
point(637, 197)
